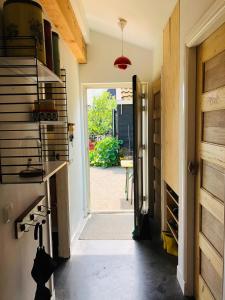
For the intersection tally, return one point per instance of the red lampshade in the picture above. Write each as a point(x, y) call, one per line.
point(122, 62)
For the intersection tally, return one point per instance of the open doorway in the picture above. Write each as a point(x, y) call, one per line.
point(109, 118)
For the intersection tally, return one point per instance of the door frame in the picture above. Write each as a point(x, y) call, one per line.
point(84, 130)
point(207, 24)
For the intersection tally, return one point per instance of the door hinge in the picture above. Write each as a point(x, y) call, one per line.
point(143, 95)
point(143, 147)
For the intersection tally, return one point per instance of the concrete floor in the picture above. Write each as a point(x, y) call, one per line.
point(107, 189)
point(118, 270)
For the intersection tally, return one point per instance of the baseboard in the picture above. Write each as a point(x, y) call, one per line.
point(181, 280)
point(79, 229)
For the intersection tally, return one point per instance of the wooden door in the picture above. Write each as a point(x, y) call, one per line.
point(157, 148)
point(210, 185)
point(138, 156)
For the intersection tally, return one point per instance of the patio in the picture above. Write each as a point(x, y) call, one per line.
point(107, 187)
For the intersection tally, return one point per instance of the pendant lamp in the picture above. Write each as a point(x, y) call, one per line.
point(122, 62)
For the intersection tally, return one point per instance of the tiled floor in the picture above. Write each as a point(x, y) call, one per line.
point(118, 270)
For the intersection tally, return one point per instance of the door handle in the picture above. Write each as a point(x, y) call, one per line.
point(193, 168)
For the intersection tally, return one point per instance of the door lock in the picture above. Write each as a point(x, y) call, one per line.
point(193, 168)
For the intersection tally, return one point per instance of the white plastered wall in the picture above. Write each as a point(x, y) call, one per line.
point(16, 256)
point(102, 52)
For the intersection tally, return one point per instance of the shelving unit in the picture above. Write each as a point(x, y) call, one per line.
point(172, 212)
point(25, 141)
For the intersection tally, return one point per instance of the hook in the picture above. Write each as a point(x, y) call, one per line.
point(40, 215)
point(23, 227)
point(40, 207)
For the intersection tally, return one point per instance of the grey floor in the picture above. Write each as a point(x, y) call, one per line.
point(111, 226)
point(118, 270)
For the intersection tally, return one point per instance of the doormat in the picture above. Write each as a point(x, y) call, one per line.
point(111, 226)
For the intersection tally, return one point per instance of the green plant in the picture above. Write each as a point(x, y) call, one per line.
point(100, 114)
point(105, 153)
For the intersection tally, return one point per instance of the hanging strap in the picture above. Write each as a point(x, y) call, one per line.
point(40, 236)
point(36, 231)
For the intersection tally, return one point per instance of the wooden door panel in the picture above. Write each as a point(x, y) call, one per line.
point(213, 153)
point(210, 180)
point(213, 180)
point(212, 230)
point(214, 257)
point(214, 70)
point(213, 100)
point(204, 292)
point(212, 204)
point(214, 127)
point(210, 276)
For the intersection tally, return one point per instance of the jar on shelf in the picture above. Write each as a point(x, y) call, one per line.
point(56, 53)
point(48, 44)
point(23, 25)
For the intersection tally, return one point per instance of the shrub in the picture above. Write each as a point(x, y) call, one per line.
point(100, 115)
point(105, 153)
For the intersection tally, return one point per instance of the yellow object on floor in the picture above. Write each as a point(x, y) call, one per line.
point(169, 243)
point(163, 238)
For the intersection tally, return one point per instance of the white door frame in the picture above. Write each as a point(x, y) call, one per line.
point(84, 130)
point(208, 23)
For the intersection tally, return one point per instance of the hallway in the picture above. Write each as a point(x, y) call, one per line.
point(118, 270)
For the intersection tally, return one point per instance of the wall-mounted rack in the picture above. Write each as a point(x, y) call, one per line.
point(30, 135)
point(37, 212)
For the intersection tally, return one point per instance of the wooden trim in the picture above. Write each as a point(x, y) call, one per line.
point(62, 15)
point(156, 114)
point(212, 204)
point(157, 163)
point(173, 232)
point(156, 86)
point(157, 187)
point(172, 214)
point(213, 153)
point(213, 100)
point(210, 252)
point(156, 138)
point(204, 291)
point(171, 197)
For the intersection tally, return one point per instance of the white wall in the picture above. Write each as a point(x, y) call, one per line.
point(74, 116)
point(102, 52)
point(191, 12)
point(16, 256)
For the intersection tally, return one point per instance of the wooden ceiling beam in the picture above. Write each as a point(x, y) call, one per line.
point(62, 16)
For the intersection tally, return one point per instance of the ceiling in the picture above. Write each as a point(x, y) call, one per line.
point(146, 19)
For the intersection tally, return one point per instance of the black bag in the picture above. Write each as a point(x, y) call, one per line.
point(43, 267)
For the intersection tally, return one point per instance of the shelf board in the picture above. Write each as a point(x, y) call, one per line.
point(173, 232)
point(53, 122)
point(172, 197)
point(34, 122)
point(52, 167)
point(25, 66)
point(172, 214)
